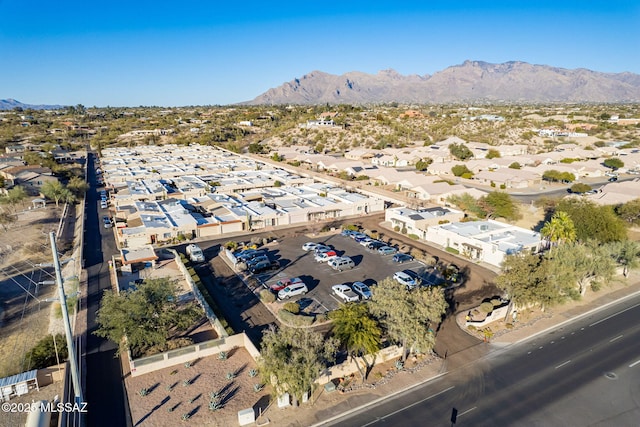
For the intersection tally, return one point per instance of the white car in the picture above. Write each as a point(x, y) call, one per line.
point(345, 293)
point(362, 290)
point(404, 279)
point(326, 256)
point(309, 246)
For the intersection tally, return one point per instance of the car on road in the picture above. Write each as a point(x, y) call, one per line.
point(309, 246)
point(281, 284)
point(345, 293)
point(404, 279)
point(341, 263)
point(613, 179)
point(400, 258)
point(362, 290)
point(263, 266)
point(326, 256)
point(293, 290)
point(387, 250)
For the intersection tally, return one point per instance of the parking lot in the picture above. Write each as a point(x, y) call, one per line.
point(370, 268)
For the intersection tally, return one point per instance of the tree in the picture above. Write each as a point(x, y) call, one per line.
point(459, 170)
point(630, 211)
point(359, 332)
point(493, 154)
point(559, 229)
point(77, 186)
point(146, 315)
point(14, 196)
point(407, 316)
point(579, 265)
point(255, 148)
point(515, 165)
point(613, 163)
point(293, 358)
point(499, 204)
point(467, 203)
point(626, 253)
point(460, 151)
point(7, 218)
point(423, 164)
point(593, 221)
point(54, 190)
point(526, 280)
point(580, 188)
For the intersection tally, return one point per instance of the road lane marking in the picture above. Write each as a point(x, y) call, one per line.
point(634, 363)
point(409, 406)
point(616, 338)
point(613, 315)
point(467, 411)
point(562, 364)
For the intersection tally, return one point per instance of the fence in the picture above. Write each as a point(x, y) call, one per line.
point(145, 365)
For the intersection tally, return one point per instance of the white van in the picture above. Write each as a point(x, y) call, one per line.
point(342, 263)
point(293, 290)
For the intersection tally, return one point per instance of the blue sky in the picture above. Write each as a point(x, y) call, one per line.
point(139, 52)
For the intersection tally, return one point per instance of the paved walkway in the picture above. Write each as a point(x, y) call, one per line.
point(325, 406)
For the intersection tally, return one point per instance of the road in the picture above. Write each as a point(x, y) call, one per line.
point(584, 373)
point(105, 392)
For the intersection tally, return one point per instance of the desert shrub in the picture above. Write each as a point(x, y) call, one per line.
point(452, 250)
point(322, 317)
point(508, 325)
point(413, 236)
point(486, 307)
point(472, 328)
point(496, 302)
point(267, 296)
point(295, 319)
point(292, 307)
point(43, 354)
point(351, 227)
point(396, 228)
point(231, 245)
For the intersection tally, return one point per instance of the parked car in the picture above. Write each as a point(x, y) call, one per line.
point(281, 284)
point(249, 254)
point(107, 222)
point(347, 233)
point(345, 293)
point(374, 245)
point(253, 261)
point(387, 250)
point(400, 258)
point(359, 238)
point(195, 253)
point(326, 256)
point(104, 204)
point(262, 266)
point(322, 249)
point(404, 279)
point(358, 235)
point(293, 290)
point(365, 242)
point(309, 246)
point(341, 263)
point(361, 289)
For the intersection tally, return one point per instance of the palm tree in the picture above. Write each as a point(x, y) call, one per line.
point(359, 332)
point(560, 229)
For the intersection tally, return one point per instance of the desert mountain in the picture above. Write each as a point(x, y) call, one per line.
point(10, 104)
point(472, 81)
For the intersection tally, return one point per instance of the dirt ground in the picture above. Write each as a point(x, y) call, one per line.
point(24, 320)
point(168, 399)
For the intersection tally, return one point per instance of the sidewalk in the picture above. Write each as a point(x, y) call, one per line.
point(324, 406)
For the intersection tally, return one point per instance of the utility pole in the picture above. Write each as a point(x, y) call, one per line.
point(75, 375)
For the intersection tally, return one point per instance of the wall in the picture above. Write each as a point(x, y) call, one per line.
point(145, 365)
point(349, 367)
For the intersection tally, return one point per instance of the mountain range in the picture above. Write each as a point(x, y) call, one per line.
point(10, 104)
point(472, 81)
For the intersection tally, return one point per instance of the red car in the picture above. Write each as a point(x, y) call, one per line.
point(281, 284)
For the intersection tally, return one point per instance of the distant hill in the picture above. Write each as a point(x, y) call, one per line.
point(10, 104)
point(472, 81)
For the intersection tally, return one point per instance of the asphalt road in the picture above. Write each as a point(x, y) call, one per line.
point(105, 388)
point(584, 373)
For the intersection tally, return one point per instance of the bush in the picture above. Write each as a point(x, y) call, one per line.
point(43, 354)
point(487, 307)
point(503, 186)
point(322, 317)
point(292, 307)
point(231, 245)
point(452, 250)
point(472, 328)
point(413, 236)
point(396, 228)
point(350, 227)
point(295, 319)
point(267, 296)
point(496, 302)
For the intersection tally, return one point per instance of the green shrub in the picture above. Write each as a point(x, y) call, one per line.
point(472, 328)
point(396, 228)
point(43, 354)
point(295, 319)
point(452, 250)
point(496, 302)
point(413, 236)
point(493, 184)
point(351, 227)
point(231, 245)
point(487, 307)
point(503, 186)
point(292, 307)
point(267, 296)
